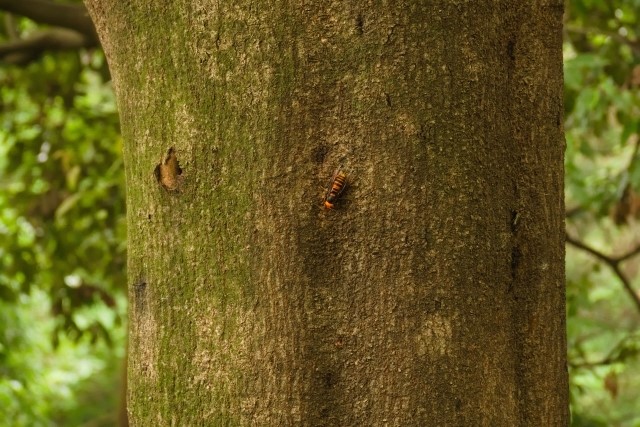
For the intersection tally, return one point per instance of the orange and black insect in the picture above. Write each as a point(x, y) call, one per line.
point(336, 187)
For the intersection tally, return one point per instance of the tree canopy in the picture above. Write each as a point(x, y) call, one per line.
point(62, 251)
point(602, 76)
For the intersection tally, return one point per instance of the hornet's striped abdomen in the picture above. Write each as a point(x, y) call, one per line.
point(336, 187)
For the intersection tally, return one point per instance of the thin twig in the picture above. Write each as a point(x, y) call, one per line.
point(614, 263)
point(616, 354)
point(629, 254)
point(633, 44)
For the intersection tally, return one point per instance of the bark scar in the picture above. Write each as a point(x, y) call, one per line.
point(360, 24)
point(140, 295)
point(168, 172)
point(516, 253)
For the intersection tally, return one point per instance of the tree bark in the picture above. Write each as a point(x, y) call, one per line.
point(433, 294)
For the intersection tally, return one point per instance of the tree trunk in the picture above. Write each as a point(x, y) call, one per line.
point(433, 292)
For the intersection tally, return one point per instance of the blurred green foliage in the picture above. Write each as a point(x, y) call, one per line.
point(602, 81)
point(62, 228)
point(62, 242)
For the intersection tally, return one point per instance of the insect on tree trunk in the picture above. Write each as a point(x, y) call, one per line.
point(431, 294)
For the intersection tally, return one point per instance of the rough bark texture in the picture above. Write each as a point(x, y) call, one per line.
point(432, 295)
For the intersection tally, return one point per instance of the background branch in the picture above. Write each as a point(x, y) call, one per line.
point(73, 29)
point(618, 353)
point(22, 51)
point(71, 16)
point(633, 44)
point(613, 262)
